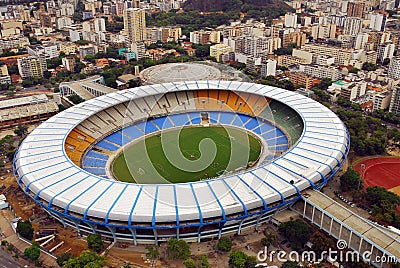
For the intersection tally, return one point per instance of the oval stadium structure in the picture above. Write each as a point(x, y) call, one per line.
point(64, 164)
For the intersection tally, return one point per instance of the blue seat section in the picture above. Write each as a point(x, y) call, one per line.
point(106, 145)
point(213, 117)
point(160, 121)
point(167, 123)
point(141, 126)
point(252, 124)
point(118, 138)
point(97, 155)
point(244, 118)
point(281, 140)
point(91, 162)
point(237, 122)
point(96, 171)
point(266, 128)
point(150, 127)
point(132, 132)
point(269, 135)
point(195, 118)
point(226, 118)
point(281, 147)
point(180, 119)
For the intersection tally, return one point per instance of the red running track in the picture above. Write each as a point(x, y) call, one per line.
point(382, 171)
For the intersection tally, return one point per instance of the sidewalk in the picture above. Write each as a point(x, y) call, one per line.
point(12, 238)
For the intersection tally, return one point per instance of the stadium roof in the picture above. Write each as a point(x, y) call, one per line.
point(46, 171)
point(23, 101)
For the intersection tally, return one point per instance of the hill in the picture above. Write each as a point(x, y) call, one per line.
point(235, 5)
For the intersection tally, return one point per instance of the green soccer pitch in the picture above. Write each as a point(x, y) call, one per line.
point(224, 149)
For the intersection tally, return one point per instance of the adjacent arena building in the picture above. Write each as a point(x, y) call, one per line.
point(64, 163)
point(190, 71)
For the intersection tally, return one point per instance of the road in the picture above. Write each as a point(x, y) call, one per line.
point(6, 261)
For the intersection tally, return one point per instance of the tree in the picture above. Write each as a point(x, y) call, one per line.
point(94, 242)
point(64, 258)
point(202, 51)
point(25, 229)
point(33, 252)
point(270, 238)
point(290, 264)
point(237, 259)
point(297, 232)
point(87, 259)
point(189, 263)
point(203, 262)
point(351, 180)
point(21, 130)
point(224, 244)
point(354, 70)
point(251, 262)
point(75, 99)
point(178, 249)
point(367, 66)
point(152, 252)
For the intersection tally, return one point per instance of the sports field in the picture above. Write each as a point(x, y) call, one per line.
point(187, 154)
point(381, 171)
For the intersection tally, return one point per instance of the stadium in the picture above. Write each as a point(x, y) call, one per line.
point(67, 164)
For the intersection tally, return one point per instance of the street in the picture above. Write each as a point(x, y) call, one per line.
point(6, 261)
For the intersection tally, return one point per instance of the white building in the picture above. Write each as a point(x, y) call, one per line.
point(75, 35)
point(395, 101)
point(49, 51)
point(291, 20)
point(268, 68)
point(352, 26)
point(381, 100)
point(67, 9)
point(378, 21)
point(361, 40)
point(386, 51)
point(63, 22)
point(394, 68)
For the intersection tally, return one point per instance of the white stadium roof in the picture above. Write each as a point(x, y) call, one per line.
point(46, 171)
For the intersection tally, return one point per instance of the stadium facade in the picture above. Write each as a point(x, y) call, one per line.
point(57, 165)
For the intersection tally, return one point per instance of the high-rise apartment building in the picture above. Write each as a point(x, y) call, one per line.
point(394, 68)
point(352, 26)
point(395, 101)
point(378, 20)
point(355, 9)
point(135, 25)
point(32, 66)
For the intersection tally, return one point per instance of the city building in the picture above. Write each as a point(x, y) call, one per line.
point(381, 100)
point(4, 76)
point(218, 49)
point(352, 26)
point(378, 20)
point(291, 20)
point(134, 25)
point(355, 9)
point(69, 63)
point(32, 66)
point(49, 51)
point(268, 68)
point(301, 79)
point(395, 101)
point(394, 68)
point(385, 51)
point(319, 71)
point(204, 37)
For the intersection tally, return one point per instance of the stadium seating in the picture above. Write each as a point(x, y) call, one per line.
point(104, 144)
point(125, 122)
